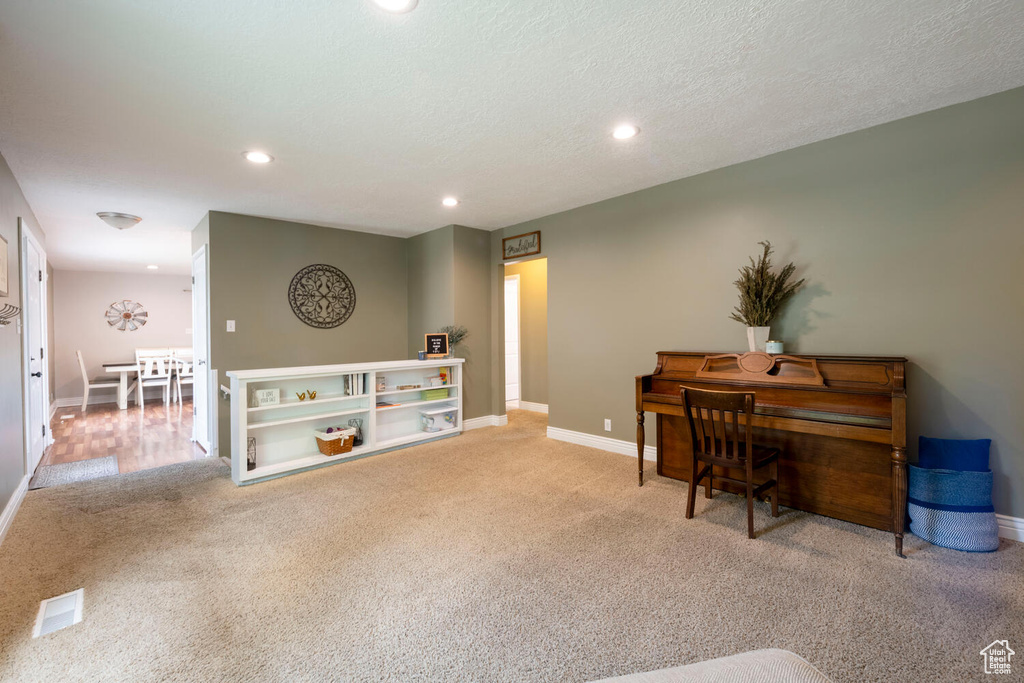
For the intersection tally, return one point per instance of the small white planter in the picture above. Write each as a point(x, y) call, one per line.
point(757, 338)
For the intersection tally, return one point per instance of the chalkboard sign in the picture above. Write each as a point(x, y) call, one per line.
point(436, 344)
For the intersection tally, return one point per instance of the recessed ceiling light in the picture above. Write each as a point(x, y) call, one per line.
point(396, 6)
point(152, 267)
point(121, 221)
point(625, 132)
point(258, 157)
point(450, 201)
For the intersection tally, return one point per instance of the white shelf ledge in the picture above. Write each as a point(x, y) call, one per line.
point(412, 404)
point(413, 438)
point(301, 462)
point(305, 418)
point(409, 391)
point(292, 402)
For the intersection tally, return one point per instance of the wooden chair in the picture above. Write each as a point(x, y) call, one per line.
point(98, 383)
point(721, 436)
point(154, 369)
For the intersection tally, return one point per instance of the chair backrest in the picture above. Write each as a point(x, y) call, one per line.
point(81, 366)
point(720, 423)
point(183, 366)
point(182, 352)
point(152, 364)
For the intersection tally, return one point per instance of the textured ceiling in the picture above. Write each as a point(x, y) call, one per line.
point(145, 107)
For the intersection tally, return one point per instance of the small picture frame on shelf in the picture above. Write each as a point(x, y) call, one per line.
point(267, 397)
point(382, 382)
point(437, 345)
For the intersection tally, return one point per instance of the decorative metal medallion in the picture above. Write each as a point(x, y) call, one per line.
point(322, 296)
point(126, 315)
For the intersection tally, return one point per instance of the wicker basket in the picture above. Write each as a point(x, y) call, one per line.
point(335, 443)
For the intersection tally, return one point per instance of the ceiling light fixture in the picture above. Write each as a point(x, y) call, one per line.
point(258, 157)
point(152, 267)
point(396, 6)
point(121, 221)
point(450, 201)
point(625, 132)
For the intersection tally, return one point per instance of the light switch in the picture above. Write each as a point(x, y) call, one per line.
point(231, 326)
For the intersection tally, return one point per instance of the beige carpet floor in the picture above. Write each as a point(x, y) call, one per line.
point(494, 556)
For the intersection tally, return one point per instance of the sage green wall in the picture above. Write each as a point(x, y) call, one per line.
point(12, 453)
point(911, 235)
point(431, 269)
point(449, 283)
point(497, 289)
point(472, 268)
point(533, 328)
point(252, 262)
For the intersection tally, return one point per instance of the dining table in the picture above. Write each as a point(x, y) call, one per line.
point(125, 369)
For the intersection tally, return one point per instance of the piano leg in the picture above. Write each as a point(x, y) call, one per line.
point(640, 444)
point(899, 495)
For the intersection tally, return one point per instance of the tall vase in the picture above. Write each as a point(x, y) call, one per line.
point(757, 338)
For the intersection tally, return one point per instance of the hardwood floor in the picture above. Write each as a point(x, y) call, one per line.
point(153, 436)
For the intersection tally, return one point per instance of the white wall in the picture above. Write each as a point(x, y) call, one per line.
point(80, 300)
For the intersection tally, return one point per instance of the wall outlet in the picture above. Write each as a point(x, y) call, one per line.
point(607, 425)
point(231, 326)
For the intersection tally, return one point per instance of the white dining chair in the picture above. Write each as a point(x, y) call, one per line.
point(154, 370)
point(99, 383)
point(183, 372)
point(183, 353)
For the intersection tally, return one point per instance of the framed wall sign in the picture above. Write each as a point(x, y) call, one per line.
point(3, 267)
point(267, 397)
point(521, 245)
point(436, 344)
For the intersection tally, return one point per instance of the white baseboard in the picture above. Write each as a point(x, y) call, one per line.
point(534, 407)
point(1010, 527)
point(603, 443)
point(11, 509)
point(53, 409)
point(485, 421)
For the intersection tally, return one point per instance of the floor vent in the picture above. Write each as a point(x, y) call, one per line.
point(67, 417)
point(56, 613)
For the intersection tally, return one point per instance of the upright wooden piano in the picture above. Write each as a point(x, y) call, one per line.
point(840, 422)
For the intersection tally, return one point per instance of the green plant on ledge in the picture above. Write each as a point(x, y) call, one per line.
point(762, 292)
point(456, 333)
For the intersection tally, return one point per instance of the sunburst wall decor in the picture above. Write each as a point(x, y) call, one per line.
point(126, 315)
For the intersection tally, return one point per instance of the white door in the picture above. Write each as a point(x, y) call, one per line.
point(33, 269)
point(201, 351)
point(512, 341)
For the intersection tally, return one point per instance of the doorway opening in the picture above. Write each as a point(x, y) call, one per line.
point(125, 373)
point(526, 336)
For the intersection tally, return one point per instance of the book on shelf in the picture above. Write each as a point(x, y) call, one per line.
point(386, 404)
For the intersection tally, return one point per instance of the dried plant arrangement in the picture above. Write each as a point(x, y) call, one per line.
point(763, 292)
point(456, 333)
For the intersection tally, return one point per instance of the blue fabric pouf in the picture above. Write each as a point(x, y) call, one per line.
point(953, 509)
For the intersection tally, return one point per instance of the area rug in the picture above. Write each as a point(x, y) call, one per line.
point(71, 472)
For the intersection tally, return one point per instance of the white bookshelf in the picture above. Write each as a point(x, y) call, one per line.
point(284, 431)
